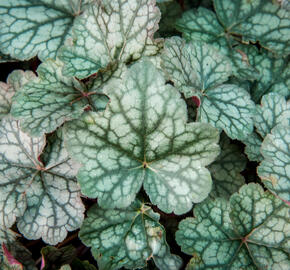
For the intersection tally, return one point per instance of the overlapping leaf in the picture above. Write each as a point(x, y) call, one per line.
point(258, 20)
point(274, 75)
point(225, 170)
point(44, 196)
point(274, 110)
point(29, 28)
point(249, 232)
point(275, 168)
point(127, 238)
point(197, 69)
point(108, 32)
point(142, 137)
point(15, 81)
point(45, 103)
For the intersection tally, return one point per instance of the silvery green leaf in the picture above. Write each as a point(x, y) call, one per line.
point(274, 75)
point(142, 138)
point(29, 28)
point(230, 108)
point(274, 170)
point(127, 238)
point(201, 24)
point(273, 110)
point(195, 64)
point(49, 100)
point(259, 20)
point(108, 32)
point(197, 69)
point(44, 197)
point(15, 81)
point(251, 231)
point(225, 170)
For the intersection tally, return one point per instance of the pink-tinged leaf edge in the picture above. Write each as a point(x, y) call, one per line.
point(11, 260)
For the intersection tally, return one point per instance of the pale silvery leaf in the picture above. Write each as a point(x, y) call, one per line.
point(142, 137)
point(47, 102)
point(107, 32)
point(274, 170)
point(127, 238)
point(251, 231)
point(29, 28)
point(225, 170)
point(44, 197)
point(273, 110)
point(15, 81)
point(197, 69)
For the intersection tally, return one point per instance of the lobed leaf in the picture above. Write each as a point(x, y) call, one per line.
point(251, 231)
point(109, 32)
point(142, 137)
point(197, 69)
point(47, 102)
point(29, 28)
point(44, 197)
point(127, 238)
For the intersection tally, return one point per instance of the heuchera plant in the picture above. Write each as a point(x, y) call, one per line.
point(145, 134)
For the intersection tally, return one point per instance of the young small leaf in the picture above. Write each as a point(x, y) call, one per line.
point(43, 196)
point(128, 238)
point(142, 137)
point(251, 231)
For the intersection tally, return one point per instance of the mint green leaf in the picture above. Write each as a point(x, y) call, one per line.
point(275, 168)
point(30, 28)
point(197, 69)
point(225, 170)
point(15, 81)
point(128, 237)
point(142, 137)
point(200, 24)
point(230, 108)
point(274, 75)
point(253, 144)
point(273, 110)
point(107, 32)
point(47, 102)
point(256, 21)
point(43, 196)
point(251, 231)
